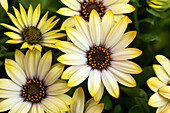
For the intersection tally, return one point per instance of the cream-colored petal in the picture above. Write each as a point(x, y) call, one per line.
point(125, 40)
point(70, 71)
point(95, 109)
point(121, 8)
point(79, 99)
point(122, 1)
point(67, 12)
point(49, 45)
point(127, 53)
point(99, 94)
point(83, 27)
point(18, 17)
point(79, 76)
point(19, 58)
point(13, 35)
point(15, 107)
point(38, 47)
point(123, 78)
point(43, 21)
point(68, 47)
point(154, 83)
point(9, 85)
point(126, 67)
point(30, 13)
point(165, 91)
point(54, 74)
point(108, 23)
point(10, 27)
point(36, 108)
point(57, 88)
point(69, 22)
point(90, 103)
point(50, 41)
point(156, 100)
point(72, 59)
point(15, 74)
point(116, 32)
point(110, 83)
point(73, 4)
point(161, 73)
point(94, 82)
point(8, 103)
point(25, 107)
point(23, 15)
point(54, 35)
point(164, 62)
point(4, 4)
point(67, 99)
point(8, 93)
point(95, 27)
point(109, 2)
point(13, 41)
point(36, 15)
point(78, 39)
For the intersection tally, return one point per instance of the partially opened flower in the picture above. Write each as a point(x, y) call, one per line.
point(160, 85)
point(30, 31)
point(34, 86)
point(84, 8)
point(99, 53)
point(4, 4)
point(80, 107)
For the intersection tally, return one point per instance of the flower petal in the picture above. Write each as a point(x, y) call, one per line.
point(95, 109)
point(154, 84)
point(109, 2)
point(99, 94)
point(44, 65)
point(8, 93)
point(19, 58)
point(116, 32)
point(95, 27)
point(13, 35)
point(94, 82)
point(164, 62)
point(30, 13)
point(156, 100)
point(4, 4)
point(10, 27)
point(15, 107)
point(126, 67)
point(110, 83)
point(77, 39)
point(67, 99)
point(67, 11)
point(23, 15)
point(69, 22)
point(25, 107)
point(36, 15)
point(54, 74)
point(13, 41)
point(127, 53)
point(165, 91)
point(72, 59)
point(43, 21)
point(18, 17)
point(161, 73)
point(79, 76)
point(79, 99)
point(123, 78)
point(73, 4)
point(9, 85)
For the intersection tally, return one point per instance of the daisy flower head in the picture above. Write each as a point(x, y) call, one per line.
point(84, 8)
point(4, 4)
point(160, 85)
point(33, 85)
point(81, 107)
point(99, 53)
point(30, 31)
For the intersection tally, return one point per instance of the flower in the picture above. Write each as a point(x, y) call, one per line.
point(84, 7)
point(34, 84)
point(99, 53)
point(90, 107)
point(159, 5)
point(4, 4)
point(31, 33)
point(160, 85)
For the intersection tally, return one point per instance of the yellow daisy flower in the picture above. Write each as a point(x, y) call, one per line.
point(160, 85)
point(34, 86)
point(4, 4)
point(80, 107)
point(99, 53)
point(84, 7)
point(30, 31)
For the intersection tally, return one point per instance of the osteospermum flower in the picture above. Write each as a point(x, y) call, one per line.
point(84, 7)
point(80, 107)
point(160, 85)
point(4, 4)
point(34, 86)
point(30, 31)
point(99, 53)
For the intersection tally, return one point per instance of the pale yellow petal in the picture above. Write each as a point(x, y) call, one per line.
point(23, 15)
point(73, 4)
point(36, 15)
point(4, 4)
point(165, 91)
point(13, 41)
point(13, 35)
point(69, 22)
point(67, 12)
point(10, 27)
point(30, 13)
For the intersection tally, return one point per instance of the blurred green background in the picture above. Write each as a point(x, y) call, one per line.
point(153, 37)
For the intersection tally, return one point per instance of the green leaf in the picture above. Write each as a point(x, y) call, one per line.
point(137, 2)
point(150, 37)
point(117, 109)
point(106, 99)
point(1, 62)
point(155, 13)
point(148, 20)
point(136, 109)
